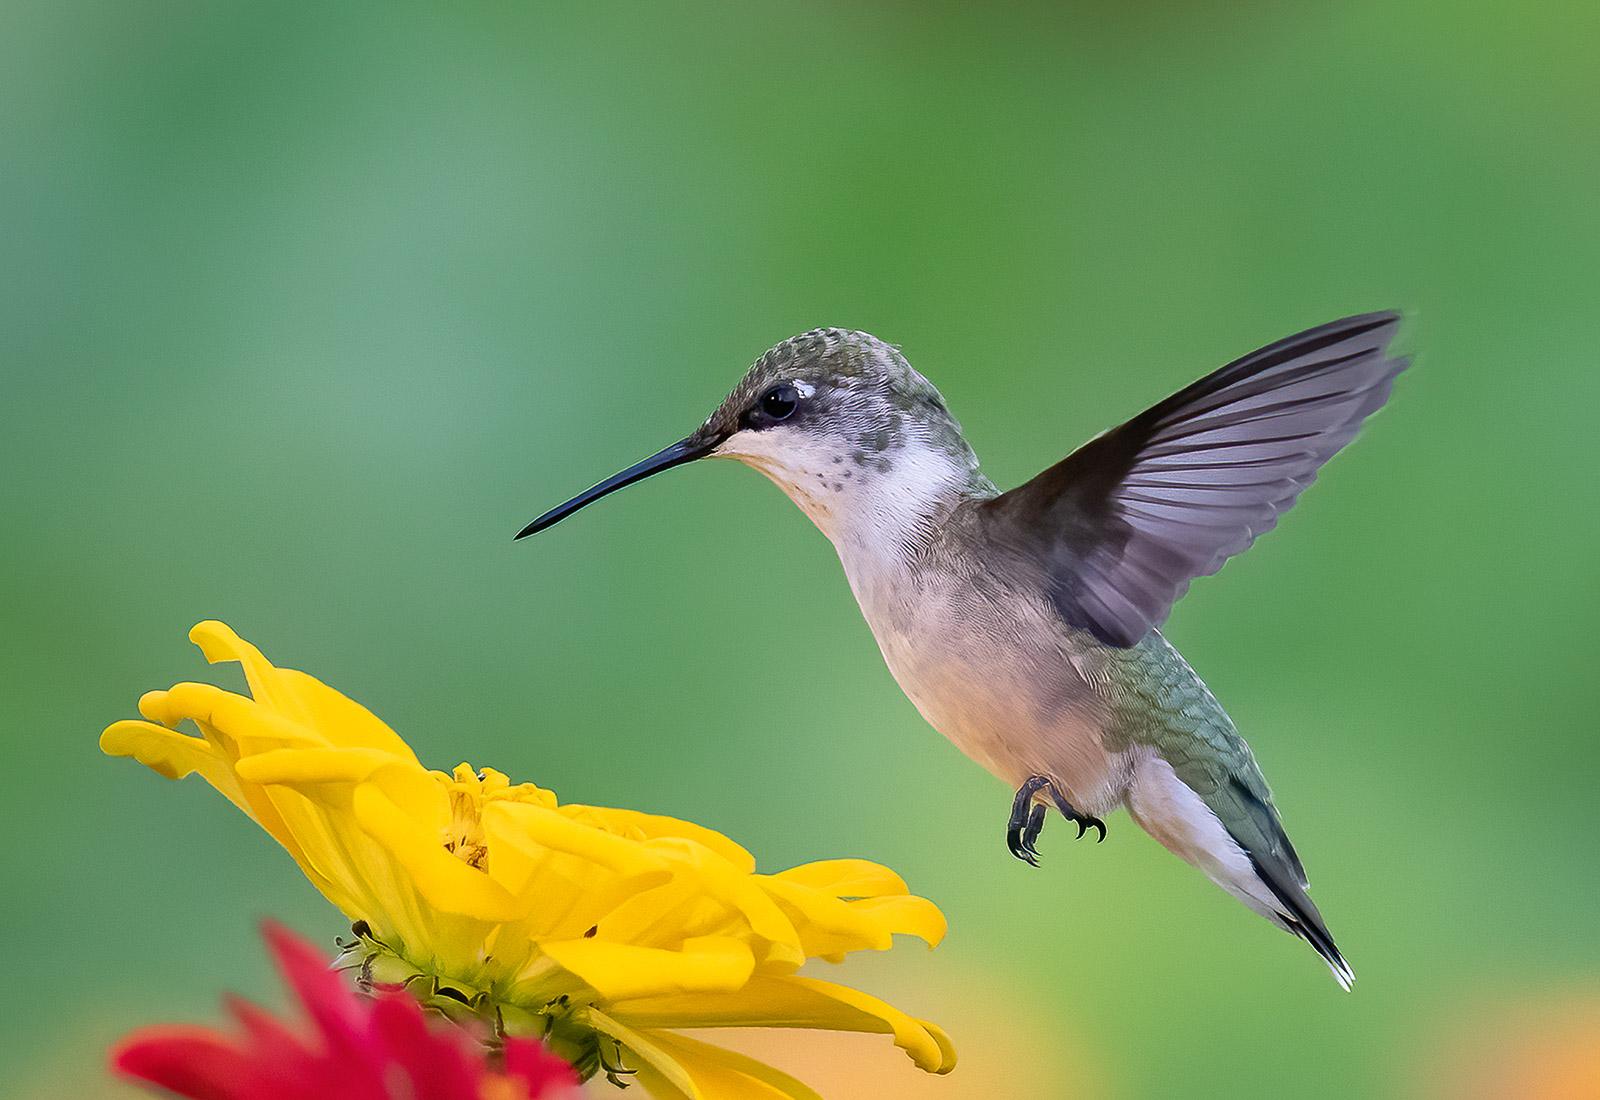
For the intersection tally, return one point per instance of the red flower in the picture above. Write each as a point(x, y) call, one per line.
point(378, 1048)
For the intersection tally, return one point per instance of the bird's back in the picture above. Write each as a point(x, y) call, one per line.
point(1160, 703)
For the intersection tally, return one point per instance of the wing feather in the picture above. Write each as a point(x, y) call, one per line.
point(1124, 523)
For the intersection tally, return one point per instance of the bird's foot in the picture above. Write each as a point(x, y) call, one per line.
point(1022, 831)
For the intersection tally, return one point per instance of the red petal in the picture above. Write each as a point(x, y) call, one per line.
point(378, 1049)
point(266, 1038)
point(333, 1006)
point(191, 1061)
point(442, 1064)
point(537, 1067)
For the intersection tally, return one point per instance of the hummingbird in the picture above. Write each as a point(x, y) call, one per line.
point(1025, 625)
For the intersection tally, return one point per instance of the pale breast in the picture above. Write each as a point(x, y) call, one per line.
point(995, 673)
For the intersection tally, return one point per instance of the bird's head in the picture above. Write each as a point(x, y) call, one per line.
point(841, 423)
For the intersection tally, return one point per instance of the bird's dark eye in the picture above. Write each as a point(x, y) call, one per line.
point(779, 402)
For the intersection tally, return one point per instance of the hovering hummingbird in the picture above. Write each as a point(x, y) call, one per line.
point(1024, 625)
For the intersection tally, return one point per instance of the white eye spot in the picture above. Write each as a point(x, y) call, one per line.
point(804, 389)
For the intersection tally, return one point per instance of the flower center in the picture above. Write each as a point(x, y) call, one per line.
point(465, 840)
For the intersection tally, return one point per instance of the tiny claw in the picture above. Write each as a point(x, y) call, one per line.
point(1085, 822)
point(1030, 834)
point(1021, 847)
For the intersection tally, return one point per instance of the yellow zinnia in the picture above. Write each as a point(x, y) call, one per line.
point(599, 929)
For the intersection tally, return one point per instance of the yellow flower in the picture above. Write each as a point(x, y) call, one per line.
point(601, 929)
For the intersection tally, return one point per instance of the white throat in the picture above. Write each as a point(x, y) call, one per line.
point(875, 507)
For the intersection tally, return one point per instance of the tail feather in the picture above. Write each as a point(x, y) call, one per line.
point(1260, 835)
point(1236, 839)
point(1301, 917)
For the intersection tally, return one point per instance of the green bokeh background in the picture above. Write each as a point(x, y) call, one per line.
point(305, 309)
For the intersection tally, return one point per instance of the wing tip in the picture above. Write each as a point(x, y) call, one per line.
point(1362, 322)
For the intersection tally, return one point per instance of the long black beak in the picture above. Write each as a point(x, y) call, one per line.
point(685, 450)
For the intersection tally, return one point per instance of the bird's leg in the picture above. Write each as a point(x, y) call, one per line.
point(1035, 823)
point(1027, 819)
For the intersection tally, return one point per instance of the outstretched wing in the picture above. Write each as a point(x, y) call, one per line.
point(1123, 523)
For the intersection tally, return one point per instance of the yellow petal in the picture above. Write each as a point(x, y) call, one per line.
point(908, 915)
point(294, 767)
point(176, 755)
point(705, 892)
point(795, 1001)
point(929, 1047)
point(312, 791)
point(345, 721)
point(657, 1070)
point(569, 892)
point(846, 878)
point(653, 826)
point(830, 927)
point(707, 964)
point(445, 882)
point(172, 754)
point(248, 726)
point(826, 925)
point(526, 823)
point(721, 1074)
point(241, 729)
point(679, 906)
point(724, 881)
point(219, 643)
point(301, 698)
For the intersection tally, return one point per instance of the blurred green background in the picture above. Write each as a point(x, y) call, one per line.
point(306, 309)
